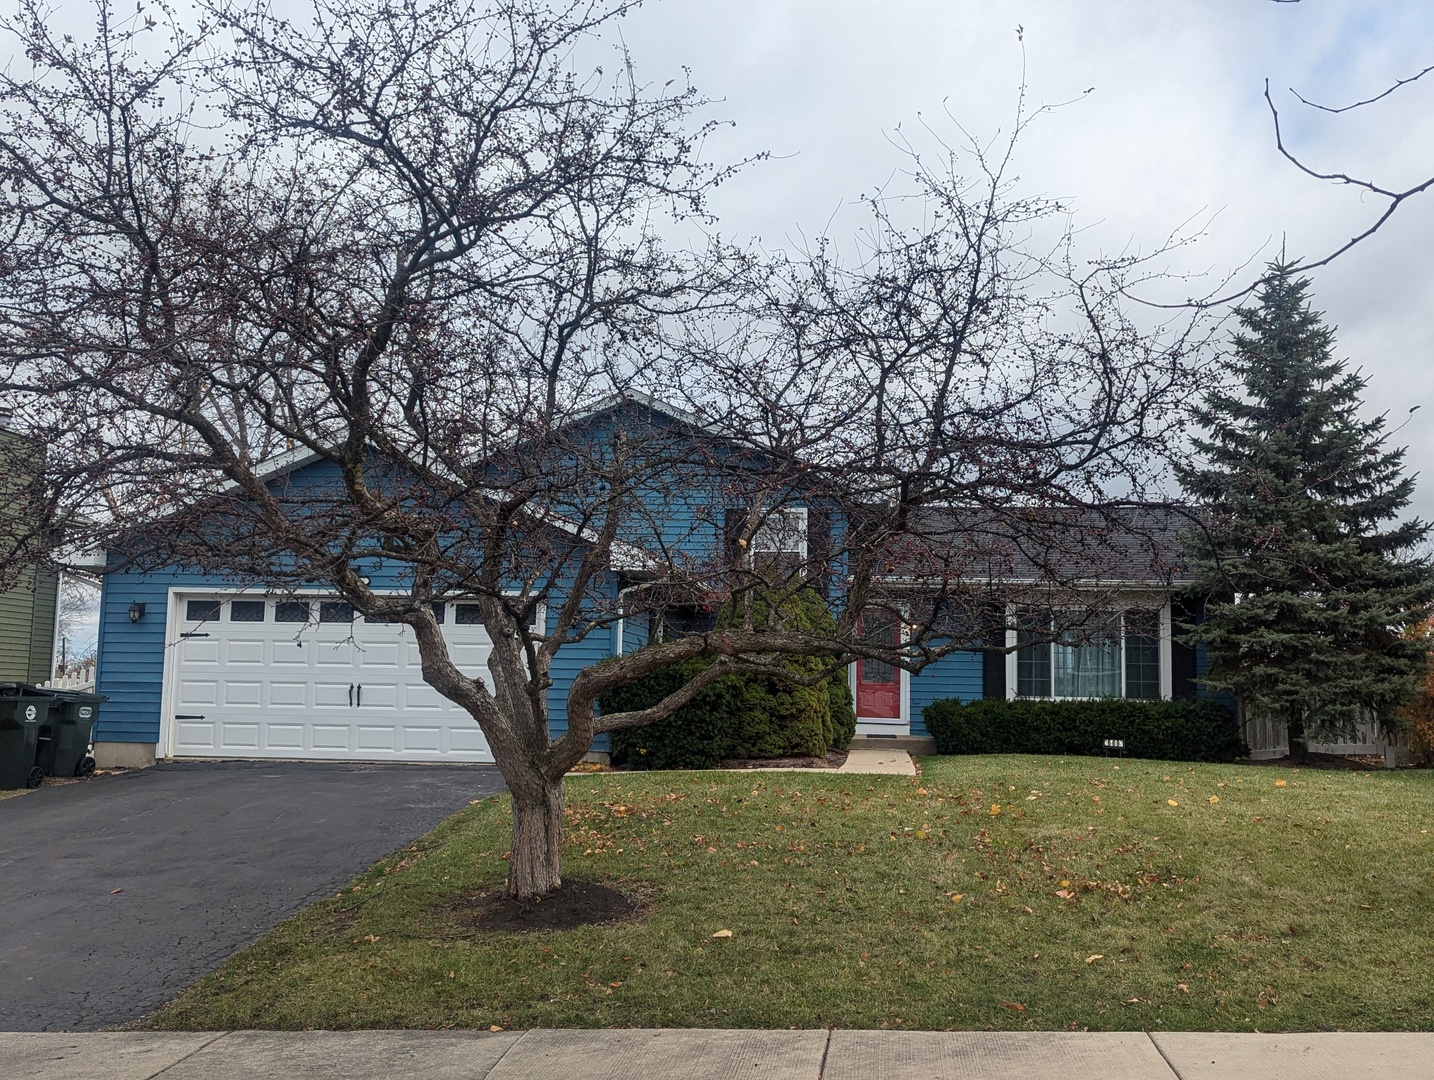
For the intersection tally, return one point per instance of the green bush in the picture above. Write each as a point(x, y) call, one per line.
point(843, 711)
point(1183, 730)
point(696, 736)
point(740, 716)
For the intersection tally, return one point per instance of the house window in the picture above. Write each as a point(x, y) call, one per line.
point(247, 610)
point(1142, 654)
point(339, 611)
point(783, 533)
point(293, 611)
point(202, 610)
point(1109, 655)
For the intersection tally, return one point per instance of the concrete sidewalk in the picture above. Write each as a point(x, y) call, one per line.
point(714, 1055)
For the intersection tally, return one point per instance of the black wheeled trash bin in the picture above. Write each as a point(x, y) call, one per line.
point(22, 711)
point(64, 739)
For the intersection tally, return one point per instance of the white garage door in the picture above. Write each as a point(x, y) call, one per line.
point(276, 677)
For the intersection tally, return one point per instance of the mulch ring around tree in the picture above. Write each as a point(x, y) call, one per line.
point(574, 903)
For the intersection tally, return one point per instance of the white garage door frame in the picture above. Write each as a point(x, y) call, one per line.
point(169, 691)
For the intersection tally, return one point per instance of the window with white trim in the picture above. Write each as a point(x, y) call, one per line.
point(1106, 655)
point(782, 535)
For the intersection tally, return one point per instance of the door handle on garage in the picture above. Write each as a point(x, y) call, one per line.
point(360, 696)
point(189, 716)
point(351, 695)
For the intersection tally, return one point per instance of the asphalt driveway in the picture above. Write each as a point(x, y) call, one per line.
point(117, 893)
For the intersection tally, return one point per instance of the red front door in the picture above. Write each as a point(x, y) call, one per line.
point(878, 684)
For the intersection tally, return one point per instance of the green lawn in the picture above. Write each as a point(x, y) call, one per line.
point(999, 892)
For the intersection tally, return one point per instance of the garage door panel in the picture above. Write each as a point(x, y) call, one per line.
point(377, 737)
point(239, 736)
point(467, 736)
point(422, 738)
point(199, 651)
point(242, 693)
point(333, 695)
point(194, 734)
point(331, 656)
point(243, 652)
point(331, 736)
point(198, 692)
point(291, 690)
point(423, 698)
point(286, 653)
point(284, 736)
point(380, 696)
point(285, 695)
point(376, 657)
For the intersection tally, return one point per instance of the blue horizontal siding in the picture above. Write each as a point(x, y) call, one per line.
point(955, 676)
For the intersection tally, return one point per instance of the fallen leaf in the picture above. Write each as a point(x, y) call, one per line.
point(1214, 799)
point(495, 1027)
point(1028, 911)
point(995, 809)
point(1282, 783)
point(1065, 894)
point(371, 938)
point(615, 984)
point(723, 934)
point(1092, 959)
point(1184, 988)
point(1172, 802)
point(1064, 883)
point(1130, 1001)
point(114, 891)
point(956, 898)
point(921, 791)
point(1014, 1006)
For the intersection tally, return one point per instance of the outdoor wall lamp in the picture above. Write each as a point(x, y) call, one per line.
point(136, 611)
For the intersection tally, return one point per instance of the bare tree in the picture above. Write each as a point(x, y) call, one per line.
point(1392, 198)
point(417, 246)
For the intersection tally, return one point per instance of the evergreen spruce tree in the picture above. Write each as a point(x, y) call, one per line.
point(1310, 577)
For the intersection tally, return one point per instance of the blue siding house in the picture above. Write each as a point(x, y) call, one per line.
point(216, 665)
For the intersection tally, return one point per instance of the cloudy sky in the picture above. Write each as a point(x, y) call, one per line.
point(1175, 128)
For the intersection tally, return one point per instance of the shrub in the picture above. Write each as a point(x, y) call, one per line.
point(696, 736)
point(740, 716)
point(1182, 730)
point(843, 711)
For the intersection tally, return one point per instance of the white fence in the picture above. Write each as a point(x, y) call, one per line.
point(82, 678)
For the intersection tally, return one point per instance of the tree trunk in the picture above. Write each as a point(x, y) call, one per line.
point(1299, 744)
point(534, 865)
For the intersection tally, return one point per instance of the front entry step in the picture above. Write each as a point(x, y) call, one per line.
point(915, 744)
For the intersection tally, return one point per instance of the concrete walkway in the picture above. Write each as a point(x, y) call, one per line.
point(867, 762)
point(879, 762)
point(715, 1055)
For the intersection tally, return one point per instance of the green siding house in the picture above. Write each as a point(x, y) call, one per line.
point(27, 627)
point(27, 611)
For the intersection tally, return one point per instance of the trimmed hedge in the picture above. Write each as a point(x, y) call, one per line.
point(1182, 730)
point(696, 736)
point(739, 716)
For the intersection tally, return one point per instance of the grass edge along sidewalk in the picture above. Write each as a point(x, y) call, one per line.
point(987, 893)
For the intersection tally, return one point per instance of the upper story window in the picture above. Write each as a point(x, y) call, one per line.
point(1108, 655)
point(783, 533)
